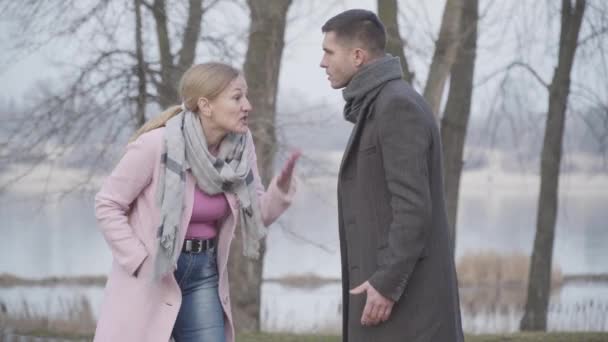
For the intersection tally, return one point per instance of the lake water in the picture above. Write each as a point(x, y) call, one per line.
point(61, 239)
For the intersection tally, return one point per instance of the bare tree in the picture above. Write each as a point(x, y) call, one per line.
point(456, 115)
point(171, 70)
point(115, 75)
point(262, 66)
point(446, 48)
point(142, 86)
point(535, 316)
point(387, 11)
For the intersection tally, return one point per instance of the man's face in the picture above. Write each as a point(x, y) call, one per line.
point(338, 61)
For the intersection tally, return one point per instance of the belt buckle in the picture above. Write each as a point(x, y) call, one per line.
point(197, 246)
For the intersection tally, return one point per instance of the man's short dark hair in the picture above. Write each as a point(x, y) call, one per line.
point(360, 25)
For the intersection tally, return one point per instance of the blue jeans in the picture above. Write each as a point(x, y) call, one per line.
point(201, 317)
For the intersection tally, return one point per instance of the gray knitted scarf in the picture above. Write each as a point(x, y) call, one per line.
point(185, 147)
point(366, 84)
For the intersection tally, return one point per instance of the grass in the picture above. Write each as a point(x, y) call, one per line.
point(491, 269)
point(303, 281)
point(519, 337)
point(489, 281)
point(544, 337)
point(76, 322)
point(265, 337)
point(9, 280)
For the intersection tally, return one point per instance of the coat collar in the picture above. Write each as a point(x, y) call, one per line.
point(355, 133)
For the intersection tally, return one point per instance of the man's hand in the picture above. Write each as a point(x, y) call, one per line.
point(377, 307)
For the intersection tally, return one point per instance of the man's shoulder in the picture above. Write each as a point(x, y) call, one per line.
point(398, 89)
point(399, 95)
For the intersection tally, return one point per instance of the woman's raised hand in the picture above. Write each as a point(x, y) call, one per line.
point(284, 178)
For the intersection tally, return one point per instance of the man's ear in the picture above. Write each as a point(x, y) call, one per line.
point(204, 106)
point(360, 57)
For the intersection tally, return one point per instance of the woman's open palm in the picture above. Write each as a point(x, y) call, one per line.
point(284, 178)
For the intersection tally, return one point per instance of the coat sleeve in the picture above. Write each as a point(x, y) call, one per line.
point(113, 202)
point(273, 201)
point(405, 138)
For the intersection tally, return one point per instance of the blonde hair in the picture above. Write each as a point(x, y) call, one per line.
point(206, 80)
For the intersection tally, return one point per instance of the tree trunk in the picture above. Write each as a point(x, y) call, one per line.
point(140, 112)
point(458, 108)
point(446, 48)
point(169, 71)
point(261, 68)
point(190, 38)
point(388, 12)
point(539, 285)
point(167, 89)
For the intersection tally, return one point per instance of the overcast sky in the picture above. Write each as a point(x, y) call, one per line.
point(303, 83)
point(300, 71)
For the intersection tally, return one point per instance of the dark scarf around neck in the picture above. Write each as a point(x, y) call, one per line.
point(366, 84)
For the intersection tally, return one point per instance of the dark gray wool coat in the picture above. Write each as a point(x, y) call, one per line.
point(392, 220)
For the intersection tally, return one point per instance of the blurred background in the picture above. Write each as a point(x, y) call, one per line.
point(520, 89)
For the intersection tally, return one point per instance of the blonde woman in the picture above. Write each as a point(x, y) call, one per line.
point(170, 208)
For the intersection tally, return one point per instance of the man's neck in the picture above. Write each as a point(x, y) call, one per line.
point(371, 60)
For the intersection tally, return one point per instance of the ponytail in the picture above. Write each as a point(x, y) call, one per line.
point(156, 122)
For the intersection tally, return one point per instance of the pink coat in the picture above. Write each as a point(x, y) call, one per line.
point(135, 308)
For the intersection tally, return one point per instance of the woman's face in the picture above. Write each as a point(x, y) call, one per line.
point(229, 111)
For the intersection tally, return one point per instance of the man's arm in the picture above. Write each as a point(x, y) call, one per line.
point(405, 139)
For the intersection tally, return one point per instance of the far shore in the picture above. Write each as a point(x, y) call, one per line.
point(303, 281)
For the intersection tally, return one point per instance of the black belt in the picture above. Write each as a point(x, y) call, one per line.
point(197, 246)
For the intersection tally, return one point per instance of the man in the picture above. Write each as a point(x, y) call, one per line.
point(396, 255)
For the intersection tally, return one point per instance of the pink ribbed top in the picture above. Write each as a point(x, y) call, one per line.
point(207, 212)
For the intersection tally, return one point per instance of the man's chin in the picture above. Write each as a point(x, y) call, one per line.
point(338, 85)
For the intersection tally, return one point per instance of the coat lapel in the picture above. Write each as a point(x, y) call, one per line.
point(188, 205)
point(354, 135)
point(226, 232)
point(366, 109)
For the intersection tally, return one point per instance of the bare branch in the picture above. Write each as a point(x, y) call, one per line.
point(602, 31)
point(531, 70)
point(511, 66)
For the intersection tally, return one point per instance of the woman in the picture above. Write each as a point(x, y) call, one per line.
point(170, 208)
